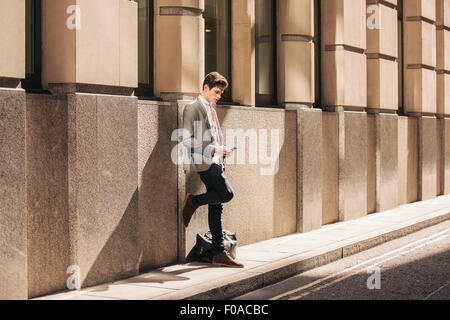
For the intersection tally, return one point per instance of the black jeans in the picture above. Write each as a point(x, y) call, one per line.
point(219, 191)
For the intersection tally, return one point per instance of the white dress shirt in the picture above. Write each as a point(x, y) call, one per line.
point(214, 130)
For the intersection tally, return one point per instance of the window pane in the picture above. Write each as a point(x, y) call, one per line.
point(265, 52)
point(217, 39)
point(317, 55)
point(400, 55)
point(32, 45)
point(145, 48)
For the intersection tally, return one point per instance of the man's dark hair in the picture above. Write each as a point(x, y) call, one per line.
point(215, 79)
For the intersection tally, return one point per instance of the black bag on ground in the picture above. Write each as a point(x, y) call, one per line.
point(204, 249)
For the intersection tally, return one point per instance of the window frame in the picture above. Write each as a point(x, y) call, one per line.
point(33, 23)
point(400, 59)
point(145, 91)
point(263, 100)
point(317, 41)
point(228, 94)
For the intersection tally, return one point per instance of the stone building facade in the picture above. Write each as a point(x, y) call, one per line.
point(346, 101)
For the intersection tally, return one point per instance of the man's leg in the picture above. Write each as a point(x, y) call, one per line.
point(215, 226)
point(218, 188)
point(218, 191)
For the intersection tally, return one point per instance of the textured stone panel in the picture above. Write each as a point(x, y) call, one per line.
point(330, 188)
point(386, 161)
point(103, 186)
point(309, 171)
point(353, 166)
point(427, 157)
point(13, 210)
point(158, 224)
point(408, 159)
point(47, 194)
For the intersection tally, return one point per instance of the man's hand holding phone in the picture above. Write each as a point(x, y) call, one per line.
point(224, 151)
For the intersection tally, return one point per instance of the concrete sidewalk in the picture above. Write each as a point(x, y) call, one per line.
point(272, 260)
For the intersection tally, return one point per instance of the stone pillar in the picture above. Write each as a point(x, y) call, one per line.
point(344, 90)
point(443, 71)
point(443, 56)
point(382, 101)
point(13, 209)
point(419, 56)
point(343, 61)
point(179, 48)
point(12, 37)
point(295, 34)
point(382, 54)
point(419, 18)
point(386, 160)
point(243, 51)
point(445, 159)
point(428, 157)
point(443, 88)
point(82, 181)
point(309, 168)
point(89, 46)
point(408, 159)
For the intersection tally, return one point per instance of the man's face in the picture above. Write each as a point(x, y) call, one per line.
point(212, 95)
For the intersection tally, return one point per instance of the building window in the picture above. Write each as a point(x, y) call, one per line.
point(33, 40)
point(317, 56)
point(400, 57)
point(145, 49)
point(217, 17)
point(265, 52)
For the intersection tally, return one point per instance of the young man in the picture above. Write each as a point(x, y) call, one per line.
point(203, 140)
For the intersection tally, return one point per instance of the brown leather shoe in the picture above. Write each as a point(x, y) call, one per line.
point(225, 260)
point(188, 209)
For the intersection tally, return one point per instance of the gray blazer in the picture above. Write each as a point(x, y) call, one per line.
point(197, 138)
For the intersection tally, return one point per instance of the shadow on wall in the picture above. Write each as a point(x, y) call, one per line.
point(281, 195)
point(157, 222)
point(107, 266)
point(151, 215)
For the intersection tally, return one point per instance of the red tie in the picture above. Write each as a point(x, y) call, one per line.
point(216, 127)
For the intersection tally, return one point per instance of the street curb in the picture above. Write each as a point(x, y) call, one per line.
point(274, 272)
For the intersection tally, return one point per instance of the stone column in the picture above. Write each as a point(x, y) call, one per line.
point(420, 56)
point(12, 37)
point(309, 168)
point(13, 209)
point(419, 18)
point(343, 61)
point(344, 91)
point(382, 103)
point(179, 48)
point(443, 88)
point(82, 179)
point(89, 46)
point(295, 34)
point(295, 52)
point(243, 51)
